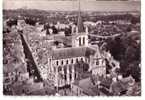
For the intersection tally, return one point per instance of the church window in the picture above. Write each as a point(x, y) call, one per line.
point(83, 40)
point(75, 76)
point(80, 41)
point(57, 63)
point(77, 60)
point(62, 62)
point(72, 61)
point(81, 59)
point(65, 77)
point(66, 61)
point(70, 77)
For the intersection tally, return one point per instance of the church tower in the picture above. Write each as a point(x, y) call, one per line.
point(80, 37)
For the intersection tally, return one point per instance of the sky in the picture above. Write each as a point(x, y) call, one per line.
point(87, 5)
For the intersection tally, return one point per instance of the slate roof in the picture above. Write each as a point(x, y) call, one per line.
point(87, 86)
point(64, 53)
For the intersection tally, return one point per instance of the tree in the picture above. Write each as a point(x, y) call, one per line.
point(55, 31)
point(12, 22)
point(127, 51)
point(56, 43)
point(30, 21)
point(47, 32)
point(67, 31)
point(116, 48)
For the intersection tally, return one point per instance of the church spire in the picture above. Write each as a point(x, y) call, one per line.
point(80, 22)
point(81, 36)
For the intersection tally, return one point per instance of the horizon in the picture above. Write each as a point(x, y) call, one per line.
point(58, 5)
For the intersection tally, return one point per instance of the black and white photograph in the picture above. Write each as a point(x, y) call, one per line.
point(71, 48)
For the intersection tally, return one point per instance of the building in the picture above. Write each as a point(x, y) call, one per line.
point(62, 61)
point(84, 87)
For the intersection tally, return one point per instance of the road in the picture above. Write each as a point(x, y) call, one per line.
point(31, 65)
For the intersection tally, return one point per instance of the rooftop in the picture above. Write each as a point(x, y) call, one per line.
point(87, 86)
point(64, 53)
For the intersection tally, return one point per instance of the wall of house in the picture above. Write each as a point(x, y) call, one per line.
point(50, 71)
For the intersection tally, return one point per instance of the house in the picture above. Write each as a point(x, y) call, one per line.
point(122, 85)
point(84, 87)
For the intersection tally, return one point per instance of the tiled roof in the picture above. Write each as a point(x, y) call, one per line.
point(64, 53)
point(87, 86)
point(118, 87)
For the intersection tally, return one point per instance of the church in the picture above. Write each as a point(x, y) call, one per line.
point(62, 62)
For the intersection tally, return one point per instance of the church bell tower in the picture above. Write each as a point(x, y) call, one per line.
point(80, 37)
